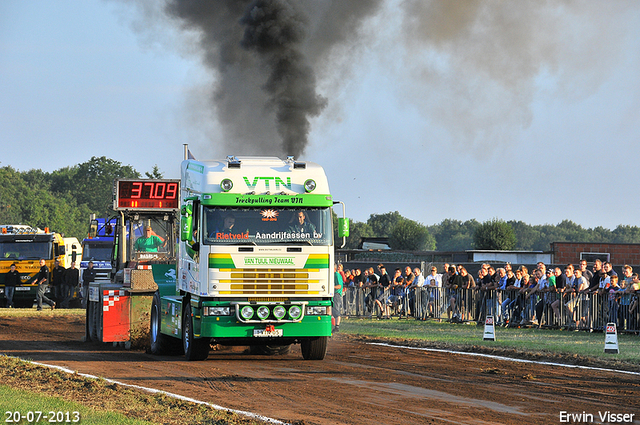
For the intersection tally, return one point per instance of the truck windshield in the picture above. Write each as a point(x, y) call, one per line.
point(25, 250)
point(96, 251)
point(150, 237)
point(267, 226)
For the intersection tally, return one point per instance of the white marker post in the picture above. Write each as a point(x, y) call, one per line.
point(611, 339)
point(489, 329)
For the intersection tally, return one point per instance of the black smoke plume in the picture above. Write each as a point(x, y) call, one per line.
point(265, 90)
point(472, 67)
point(275, 30)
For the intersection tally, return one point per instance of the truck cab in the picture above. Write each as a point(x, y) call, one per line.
point(255, 259)
point(24, 246)
point(97, 247)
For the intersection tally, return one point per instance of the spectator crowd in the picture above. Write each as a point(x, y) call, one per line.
point(574, 297)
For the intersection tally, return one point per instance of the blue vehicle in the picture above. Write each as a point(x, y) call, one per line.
point(98, 247)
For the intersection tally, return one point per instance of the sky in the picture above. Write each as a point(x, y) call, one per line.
point(439, 110)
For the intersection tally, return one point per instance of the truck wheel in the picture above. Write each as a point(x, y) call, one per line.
point(92, 320)
point(270, 350)
point(161, 343)
point(194, 348)
point(97, 314)
point(87, 322)
point(314, 348)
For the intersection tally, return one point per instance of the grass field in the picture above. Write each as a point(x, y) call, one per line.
point(32, 312)
point(97, 401)
point(15, 403)
point(470, 337)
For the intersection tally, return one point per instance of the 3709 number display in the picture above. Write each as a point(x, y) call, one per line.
point(147, 194)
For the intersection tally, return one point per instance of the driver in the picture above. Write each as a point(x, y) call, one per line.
point(227, 226)
point(301, 224)
point(149, 242)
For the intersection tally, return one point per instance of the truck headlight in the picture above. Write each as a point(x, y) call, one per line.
point(295, 312)
point(263, 312)
point(226, 185)
point(279, 312)
point(309, 185)
point(246, 312)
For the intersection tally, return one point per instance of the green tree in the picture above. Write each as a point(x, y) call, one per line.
point(409, 235)
point(495, 235)
point(527, 236)
point(12, 186)
point(26, 198)
point(91, 182)
point(454, 235)
point(626, 234)
point(381, 224)
point(58, 213)
point(62, 180)
point(155, 173)
point(601, 234)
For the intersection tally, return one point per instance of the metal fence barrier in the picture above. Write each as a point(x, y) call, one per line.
point(584, 311)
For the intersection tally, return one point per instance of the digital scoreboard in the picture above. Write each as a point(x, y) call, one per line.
point(146, 195)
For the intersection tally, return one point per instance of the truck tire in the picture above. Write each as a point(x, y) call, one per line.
point(270, 350)
point(87, 324)
point(161, 343)
point(194, 348)
point(97, 314)
point(314, 348)
point(92, 320)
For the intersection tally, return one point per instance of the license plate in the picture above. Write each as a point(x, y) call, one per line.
point(22, 288)
point(266, 333)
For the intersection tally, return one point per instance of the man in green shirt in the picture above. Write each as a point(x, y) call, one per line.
point(337, 298)
point(149, 242)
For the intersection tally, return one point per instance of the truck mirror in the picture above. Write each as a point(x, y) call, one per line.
point(343, 227)
point(74, 255)
point(186, 223)
point(93, 229)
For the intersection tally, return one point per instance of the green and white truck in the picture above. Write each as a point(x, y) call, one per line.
point(254, 259)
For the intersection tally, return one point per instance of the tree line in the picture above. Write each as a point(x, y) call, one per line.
point(63, 199)
point(495, 234)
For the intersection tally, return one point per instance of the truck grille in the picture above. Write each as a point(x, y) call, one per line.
point(269, 281)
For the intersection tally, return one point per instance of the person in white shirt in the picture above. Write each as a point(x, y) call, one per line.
point(414, 287)
point(433, 285)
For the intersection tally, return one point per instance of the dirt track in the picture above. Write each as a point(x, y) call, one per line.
point(358, 383)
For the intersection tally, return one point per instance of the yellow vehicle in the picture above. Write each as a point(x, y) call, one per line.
point(24, 246)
